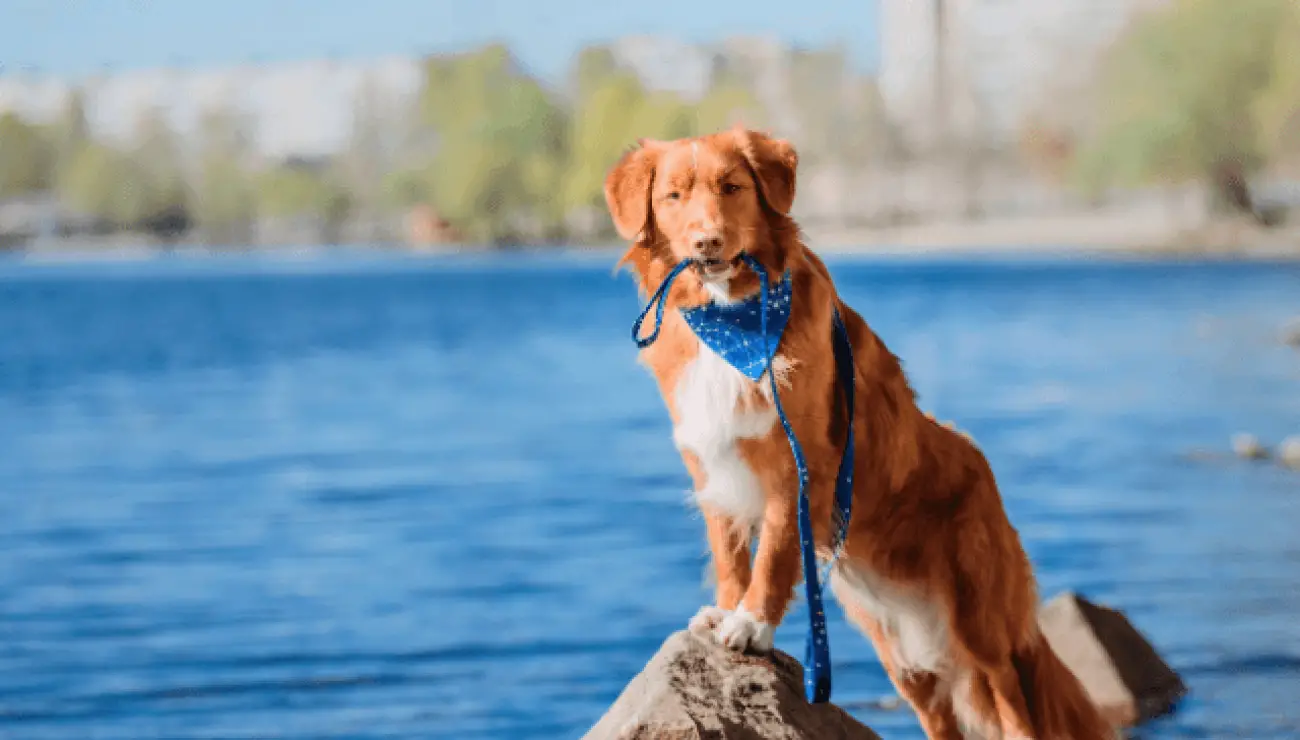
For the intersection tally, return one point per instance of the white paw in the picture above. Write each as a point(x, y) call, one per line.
point(707, 619)
point(741, 631)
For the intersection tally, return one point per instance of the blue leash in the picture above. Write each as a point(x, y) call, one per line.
point(724, 329)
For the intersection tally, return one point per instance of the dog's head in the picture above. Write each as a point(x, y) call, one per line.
point(708, 199)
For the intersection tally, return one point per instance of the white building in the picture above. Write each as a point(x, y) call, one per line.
point(300, 108)
point(1006, 59)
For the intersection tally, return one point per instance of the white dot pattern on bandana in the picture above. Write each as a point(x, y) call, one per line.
point(734, 330)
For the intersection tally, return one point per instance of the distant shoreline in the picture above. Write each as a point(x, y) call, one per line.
point(832, 251)
point(994, 238)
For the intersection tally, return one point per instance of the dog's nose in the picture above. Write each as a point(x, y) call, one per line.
point(707, 244)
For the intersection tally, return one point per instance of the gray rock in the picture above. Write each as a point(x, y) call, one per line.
point(694, 688)
point(1288, 452)
point(1120, 670)
point(1248, 446)
point(1291, 333)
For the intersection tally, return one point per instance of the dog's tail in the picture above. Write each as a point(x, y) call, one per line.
point(1058, 705)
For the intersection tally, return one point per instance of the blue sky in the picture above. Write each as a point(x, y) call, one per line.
point(79, 37)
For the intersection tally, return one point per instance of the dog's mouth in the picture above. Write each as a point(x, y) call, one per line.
point(713, 268)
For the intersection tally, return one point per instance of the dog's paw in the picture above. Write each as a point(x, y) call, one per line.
point(707, 619)
point(742, 631)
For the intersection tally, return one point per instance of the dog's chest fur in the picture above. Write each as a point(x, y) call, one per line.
point(715, 407)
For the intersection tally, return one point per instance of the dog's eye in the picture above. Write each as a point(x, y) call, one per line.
point(730, 188)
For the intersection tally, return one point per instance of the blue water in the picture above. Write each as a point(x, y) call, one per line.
point(373, 497)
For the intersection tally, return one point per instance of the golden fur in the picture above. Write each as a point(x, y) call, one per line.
point(928, 532)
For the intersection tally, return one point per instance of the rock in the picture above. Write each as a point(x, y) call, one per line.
point(693, 688)
point(1248, 447)
point(1291, 333)
point(1288, 452)
point(1118, 667)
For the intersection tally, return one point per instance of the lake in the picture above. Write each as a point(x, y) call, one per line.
point(367, 496)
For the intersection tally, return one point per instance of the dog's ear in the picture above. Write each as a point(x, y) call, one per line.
point(627, 189)
point(774, 162)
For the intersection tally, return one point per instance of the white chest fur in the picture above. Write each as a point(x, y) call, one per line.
point(918, 633)
point(711, 418)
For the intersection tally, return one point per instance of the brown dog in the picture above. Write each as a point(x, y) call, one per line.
point(932, 570)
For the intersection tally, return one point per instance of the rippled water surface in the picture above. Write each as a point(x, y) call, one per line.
point(371, 497)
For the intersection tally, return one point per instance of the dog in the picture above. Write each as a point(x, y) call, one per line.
point(931, 570)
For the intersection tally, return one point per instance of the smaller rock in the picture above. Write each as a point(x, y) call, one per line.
point(1248, 447)
point(1288, 453)
point(1120, 670)
point(1291, 333)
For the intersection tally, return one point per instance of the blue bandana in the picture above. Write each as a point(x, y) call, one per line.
point(746, 335)
point(735, 330)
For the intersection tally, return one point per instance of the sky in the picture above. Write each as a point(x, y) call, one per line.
point(75, 38)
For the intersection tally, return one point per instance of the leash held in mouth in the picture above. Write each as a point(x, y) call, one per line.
point(732, 331)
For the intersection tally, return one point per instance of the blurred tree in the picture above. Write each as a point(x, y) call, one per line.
point(663, 115)
point(137, 188)
point(69, 133)
point(91, 181)
point(592, 68)
point(1278, 108)
point(725, 104)
point(224, 204)
point(866, 135)
point(407, 187)
point(159, 201)
point(502, 143)
point(1178, 93)
point(370, 153)
point(816, 84)
point(603, 127)
point(288, 191)
point(26, 157)
point(298, 191)
point(615, 112)
point(113, 186)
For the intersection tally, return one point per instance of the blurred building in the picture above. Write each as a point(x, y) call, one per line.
point(1005, 60)
point(292, 109)
point(667, 64)
point(763, 62)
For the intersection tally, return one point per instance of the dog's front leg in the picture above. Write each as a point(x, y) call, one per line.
point(771, 586)
point(729, 544)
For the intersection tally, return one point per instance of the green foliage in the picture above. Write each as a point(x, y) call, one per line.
point(725, 105)
point(70, 132)
point(495, 152)
point(26, 157)
point(154, 165)
point(224, 197)
point(126, 187)
point(615, 111)
point(501, 144)
point(1179, 90)
point(296, 192)
point(1278, 108)
point(224, 200)
point(406, 187)
point(370, 151)
point(593, 66)
point(97, 182)
point(604, 125)
point(287, 192)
